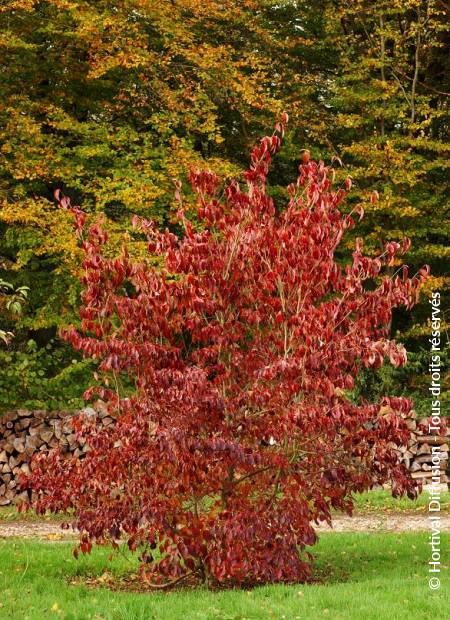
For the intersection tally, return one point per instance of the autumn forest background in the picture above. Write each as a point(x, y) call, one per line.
point(111, 102)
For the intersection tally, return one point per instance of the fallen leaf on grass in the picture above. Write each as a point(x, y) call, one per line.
point(53, 536)
point(56, 608)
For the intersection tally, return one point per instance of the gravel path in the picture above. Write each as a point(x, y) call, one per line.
point(39, 530)
point(390, 522)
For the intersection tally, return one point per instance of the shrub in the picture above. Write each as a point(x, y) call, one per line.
point(242, 344)
point(42, 377)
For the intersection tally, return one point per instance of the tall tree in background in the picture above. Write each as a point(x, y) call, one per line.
point(366, 82)
point(390, 126)
point(391, 121)
point(111, 101)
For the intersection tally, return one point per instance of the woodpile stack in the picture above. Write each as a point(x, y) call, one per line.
point(422, 448)
point(23, 433)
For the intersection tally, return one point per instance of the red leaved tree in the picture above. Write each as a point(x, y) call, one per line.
point(242, 347)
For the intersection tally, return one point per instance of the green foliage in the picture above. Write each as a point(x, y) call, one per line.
point(16, 298)
point(13, 300)
point(411, 381)
point(49, 377)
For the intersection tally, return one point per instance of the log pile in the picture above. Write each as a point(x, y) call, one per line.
point(23, 433)
point(422, 448)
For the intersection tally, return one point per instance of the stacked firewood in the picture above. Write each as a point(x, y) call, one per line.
point(422, 448)
point(23, 433)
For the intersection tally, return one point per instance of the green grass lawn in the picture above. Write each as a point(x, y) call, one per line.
point(365, 577)
point(11, 514)
point(382, 500)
